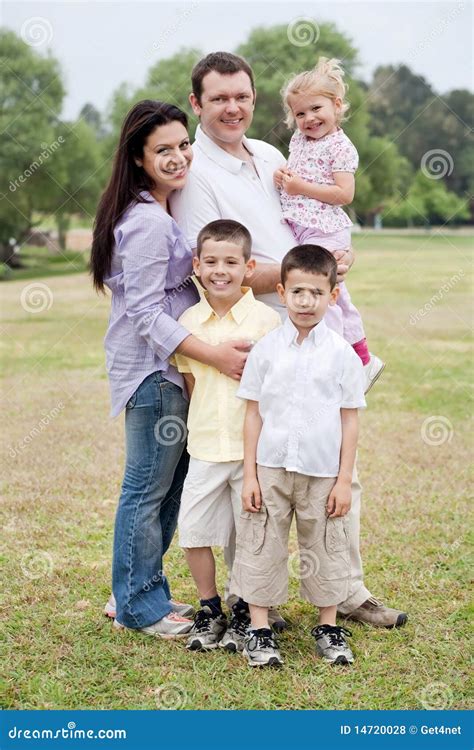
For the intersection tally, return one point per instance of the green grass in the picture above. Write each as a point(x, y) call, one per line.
point(62, 479)
point(38, 262)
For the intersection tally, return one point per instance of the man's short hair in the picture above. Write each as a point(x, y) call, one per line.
point(310, 258)
point(228, 230)
point(224, 63)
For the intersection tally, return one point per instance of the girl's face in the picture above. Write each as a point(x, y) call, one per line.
point(315, 115)
point(167, 155)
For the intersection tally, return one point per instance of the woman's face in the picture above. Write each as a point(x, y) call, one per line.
point(167, 155)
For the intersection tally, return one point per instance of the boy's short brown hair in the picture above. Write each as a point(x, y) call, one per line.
point(224, 63)
point(310, 258)
point(228, 230)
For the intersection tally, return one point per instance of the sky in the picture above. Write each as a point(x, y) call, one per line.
point(103, 44)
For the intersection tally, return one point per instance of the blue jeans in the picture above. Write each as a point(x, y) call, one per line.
point(156, 466)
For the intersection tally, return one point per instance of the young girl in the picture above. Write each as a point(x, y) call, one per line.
point(318, 180)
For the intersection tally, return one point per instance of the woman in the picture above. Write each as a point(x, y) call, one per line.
point(140, 254)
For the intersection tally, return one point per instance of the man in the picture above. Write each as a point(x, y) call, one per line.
point(232, 178)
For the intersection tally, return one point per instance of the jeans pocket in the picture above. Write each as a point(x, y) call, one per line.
point(132, 401)
point(252, 529)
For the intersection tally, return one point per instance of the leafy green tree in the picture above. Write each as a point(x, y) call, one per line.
point(427, 201)
point(31, 95)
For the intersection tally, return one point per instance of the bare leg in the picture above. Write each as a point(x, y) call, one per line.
point(203, 569)
point(327, 615)
point(259, 617)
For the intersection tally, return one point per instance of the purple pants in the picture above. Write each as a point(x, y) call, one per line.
point(343, 317)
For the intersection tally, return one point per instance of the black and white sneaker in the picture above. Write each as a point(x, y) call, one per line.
point(260, 648)
point(331, 644)
point(207, 630)
point(233, 639)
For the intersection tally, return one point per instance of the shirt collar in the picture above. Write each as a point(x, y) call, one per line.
point(316, 336)
point(223, 158)
point(239, 311)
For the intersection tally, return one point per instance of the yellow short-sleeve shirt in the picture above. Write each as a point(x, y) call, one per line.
point(216, 415)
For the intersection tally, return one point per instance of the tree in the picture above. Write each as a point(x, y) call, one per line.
point(31, 95)
point(77, 176)
point(427, 202)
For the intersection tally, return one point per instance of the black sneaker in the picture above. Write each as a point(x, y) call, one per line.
point(261, 648)
point(331, 644)
point(207, 630)
point(234, 638)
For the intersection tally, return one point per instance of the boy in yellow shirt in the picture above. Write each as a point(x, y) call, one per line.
point(211, 499)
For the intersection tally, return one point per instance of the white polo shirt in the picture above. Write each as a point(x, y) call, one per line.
point(221, 186)
point(301, 389)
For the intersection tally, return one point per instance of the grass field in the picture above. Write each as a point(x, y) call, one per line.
point(62, 471)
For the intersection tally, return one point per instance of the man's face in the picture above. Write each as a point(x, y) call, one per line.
point(226, 107)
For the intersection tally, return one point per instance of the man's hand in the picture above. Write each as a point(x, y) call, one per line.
point(344, 260)
point(278, 176)
point(339, 501)
point(251, 495)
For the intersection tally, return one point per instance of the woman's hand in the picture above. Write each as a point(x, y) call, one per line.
point(344, 260)
point(230, 358)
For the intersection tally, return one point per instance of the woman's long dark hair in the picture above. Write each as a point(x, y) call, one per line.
point(127, 180)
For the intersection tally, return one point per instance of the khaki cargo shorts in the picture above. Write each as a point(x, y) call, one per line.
point(262, 564)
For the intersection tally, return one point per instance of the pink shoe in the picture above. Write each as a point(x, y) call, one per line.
point(184, 610)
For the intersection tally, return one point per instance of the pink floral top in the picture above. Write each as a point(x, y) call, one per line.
point(316, 160)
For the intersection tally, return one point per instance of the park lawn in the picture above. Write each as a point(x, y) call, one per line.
point(62, 471)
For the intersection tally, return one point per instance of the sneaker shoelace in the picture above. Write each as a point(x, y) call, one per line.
point(261, 640)
point(202, 620)
point(335, 634)
point(239, 622)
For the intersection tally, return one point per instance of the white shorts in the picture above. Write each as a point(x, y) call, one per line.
point(211, 503)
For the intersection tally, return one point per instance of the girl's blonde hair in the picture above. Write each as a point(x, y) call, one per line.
point(325, 79)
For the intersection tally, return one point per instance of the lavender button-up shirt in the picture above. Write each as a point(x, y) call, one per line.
point(151, 287)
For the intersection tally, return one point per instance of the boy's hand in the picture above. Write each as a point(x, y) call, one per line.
point(251, 496)
point(339, 501)
point(278, 176)
point(293, 185)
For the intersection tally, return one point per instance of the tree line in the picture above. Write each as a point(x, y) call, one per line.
point(416, 147)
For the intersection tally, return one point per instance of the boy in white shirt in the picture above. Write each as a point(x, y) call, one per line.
point(299, 452)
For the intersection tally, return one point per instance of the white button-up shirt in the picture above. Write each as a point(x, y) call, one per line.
point(221, 186)
point(301, 389)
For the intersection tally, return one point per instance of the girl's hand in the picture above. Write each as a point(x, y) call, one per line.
point(339, 501)
point(231, 357)
point(251, 495)
point(293, 185)
point(278, 176)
